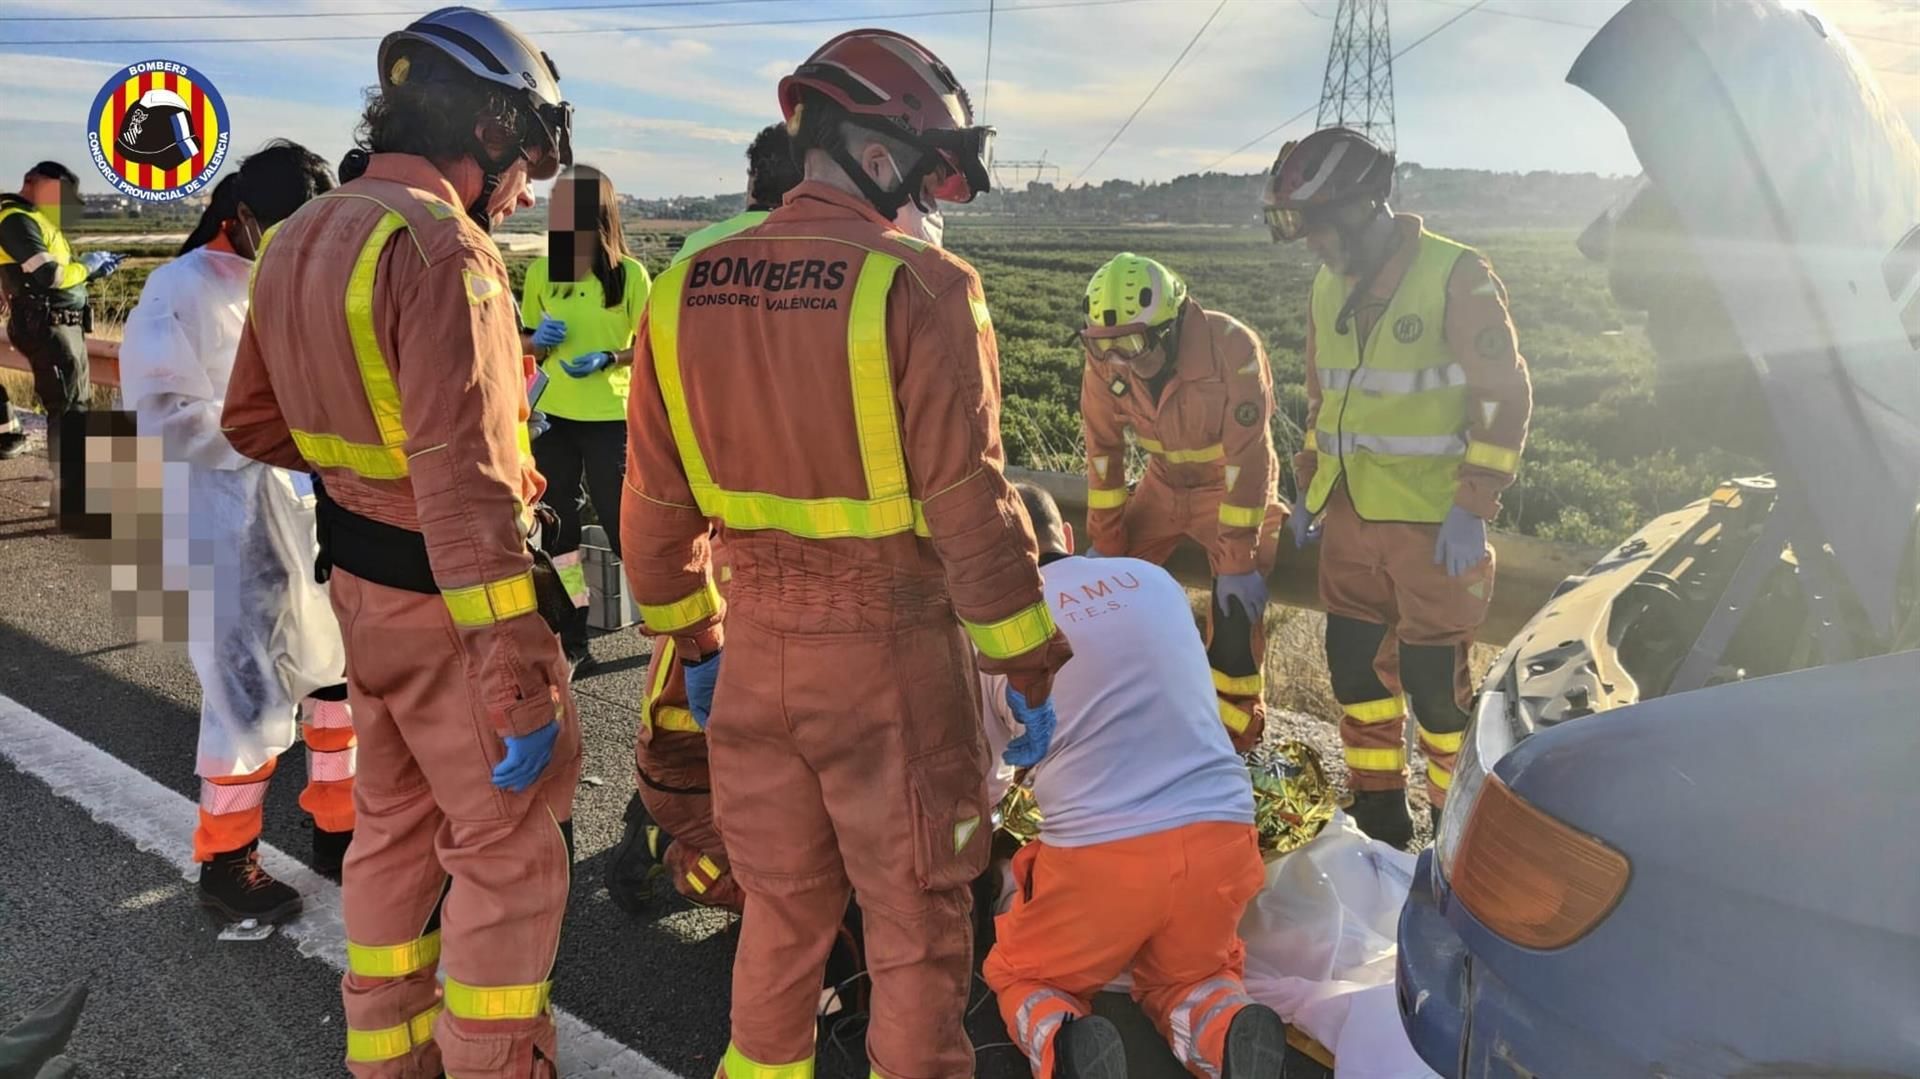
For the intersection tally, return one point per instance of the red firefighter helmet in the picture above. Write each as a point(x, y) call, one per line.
point(892, 84)
point(1331, 167)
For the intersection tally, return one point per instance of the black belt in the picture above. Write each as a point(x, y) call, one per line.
point(397, 557)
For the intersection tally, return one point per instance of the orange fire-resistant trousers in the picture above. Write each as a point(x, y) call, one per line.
point(1158, 516)
point(1166, 906)
point(675, 784)
point(232, 808)
point(428, 811)
point(847, 753)
point(1382, 573)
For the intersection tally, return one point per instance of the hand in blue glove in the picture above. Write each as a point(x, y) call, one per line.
point(537, 425)
point(99, 264)
point(1026, 750)
point(1305, 531)
point(1462, 542)
point(527, 757)
point(701, 678)
point(1248, 589)
point(582, 366)
point(551, 332)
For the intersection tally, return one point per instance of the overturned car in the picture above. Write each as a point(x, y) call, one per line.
point(1676, 843)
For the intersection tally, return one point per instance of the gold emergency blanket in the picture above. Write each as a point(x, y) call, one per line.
point(1292, 800)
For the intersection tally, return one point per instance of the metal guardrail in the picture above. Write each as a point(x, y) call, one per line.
point(1528, 571)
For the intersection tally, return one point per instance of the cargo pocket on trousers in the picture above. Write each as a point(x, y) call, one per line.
point(951, 829)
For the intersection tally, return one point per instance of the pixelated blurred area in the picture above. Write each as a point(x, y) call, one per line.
point(111, 487)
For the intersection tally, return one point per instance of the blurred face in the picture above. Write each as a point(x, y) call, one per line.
point(573, 217)
point(42, 191)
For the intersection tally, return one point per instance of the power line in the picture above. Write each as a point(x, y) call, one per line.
point(623, 5)
point(1310, 11)
point(1156, 89)
point(986, 80)
point(1275, 129)
point(659, 28)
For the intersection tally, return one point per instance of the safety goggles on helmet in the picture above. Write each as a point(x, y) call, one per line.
point(552, 148)
point(1286, 225)
point(1104, 344)
point(967, 154)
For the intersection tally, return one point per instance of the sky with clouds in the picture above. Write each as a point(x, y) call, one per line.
point(666, 100)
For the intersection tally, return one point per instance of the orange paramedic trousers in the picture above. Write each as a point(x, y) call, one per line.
point(232, 808)
point(1382, 573)
point(428, 811)
point(1158, 516)
point(675, 784)
point(1166, 906)
point(847, 753)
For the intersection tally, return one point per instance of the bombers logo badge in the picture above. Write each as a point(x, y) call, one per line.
point(158, 131)
point(1408, 329)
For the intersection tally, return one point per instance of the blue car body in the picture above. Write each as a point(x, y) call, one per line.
point(1731, 699)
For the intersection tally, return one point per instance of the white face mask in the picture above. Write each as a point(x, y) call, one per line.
point(928, 225)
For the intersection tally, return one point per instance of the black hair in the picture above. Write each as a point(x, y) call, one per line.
point(54, 170)
point(771, 168)
point(1043, 511)
point(273, 181)
point(433, 113)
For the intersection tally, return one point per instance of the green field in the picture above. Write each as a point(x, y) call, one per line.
point(1604, 454)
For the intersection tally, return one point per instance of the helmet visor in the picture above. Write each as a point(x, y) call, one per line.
point(1286, 225)
point(967, 154)
point(1117, 347)
point(550, 148)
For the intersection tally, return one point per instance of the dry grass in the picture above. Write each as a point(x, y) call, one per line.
point(19, 386)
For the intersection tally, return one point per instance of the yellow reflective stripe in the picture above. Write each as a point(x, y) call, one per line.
point(712, 870)
point(676, 616)
point(738, 1065)
point(1442, 743)
point(523, 441)
point(670, 718)
point(393, 960)
point(1184, 457)
point(1379, 711)
point(494, 601)
point(665, 717)
point(813, 518)
point(497, 1001)
point(1106, 499)
point(1237, 719)
point(663, 334)
point(1249, 685)
point(875, 415)
point(699, 886)
point(1376, 760)
point(1439, 777)
point(1242, 516)
point(363, 460)
point(375, 376)
point(1312, 444)
point(1498, 458)
point(374, 1046)
point(1015, 636)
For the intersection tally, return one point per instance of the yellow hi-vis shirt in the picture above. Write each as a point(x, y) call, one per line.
point(592, 326)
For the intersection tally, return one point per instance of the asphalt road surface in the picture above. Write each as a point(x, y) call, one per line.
point(96, 783)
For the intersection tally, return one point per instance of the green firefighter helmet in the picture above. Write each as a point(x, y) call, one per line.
point(1133, 292)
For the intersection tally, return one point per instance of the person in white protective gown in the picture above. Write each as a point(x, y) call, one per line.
point(239, 541)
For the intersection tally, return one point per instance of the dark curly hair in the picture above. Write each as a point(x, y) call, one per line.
point(273, 181)
point(771, 168)
point(433, 113)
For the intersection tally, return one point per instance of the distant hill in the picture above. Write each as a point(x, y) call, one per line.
point(1459, 197)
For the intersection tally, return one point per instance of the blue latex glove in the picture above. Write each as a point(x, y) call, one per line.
point(1462, 542)
point(582, 366)
point(1250, 589)
point(99, 264)
point(1026, 750)
point(1306, 531)
point(527, 757)
point(537, 425)
point(701, 678)
point(551, 332)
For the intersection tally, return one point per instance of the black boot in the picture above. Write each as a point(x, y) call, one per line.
point(234, 886)
point(12, 444)
point(330, 852)
point(1089, 1048)
point(1256, 1045)
point(636, 860)
point(1384, 816)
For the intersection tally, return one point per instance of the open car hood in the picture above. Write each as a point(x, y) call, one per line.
point(1799, 186)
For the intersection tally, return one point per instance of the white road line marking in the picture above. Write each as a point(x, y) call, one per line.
point(161, 822)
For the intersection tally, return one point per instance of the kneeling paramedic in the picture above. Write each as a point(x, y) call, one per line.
point(1193, 387)
point(1417, 409)
point(826, 389)
point(1147, 853)
point(382, 353)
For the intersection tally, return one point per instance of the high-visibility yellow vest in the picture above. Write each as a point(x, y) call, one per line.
point(888, 508)
point(476, 605)
point(703, 238)
point(72, 274)
point(1393, 415)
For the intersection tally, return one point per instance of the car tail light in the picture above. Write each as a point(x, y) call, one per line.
point(1530, 878)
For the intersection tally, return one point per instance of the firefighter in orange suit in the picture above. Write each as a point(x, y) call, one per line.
point(382, 353)
point(825, 388)
point(1193, 387)
point(1417, 410)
